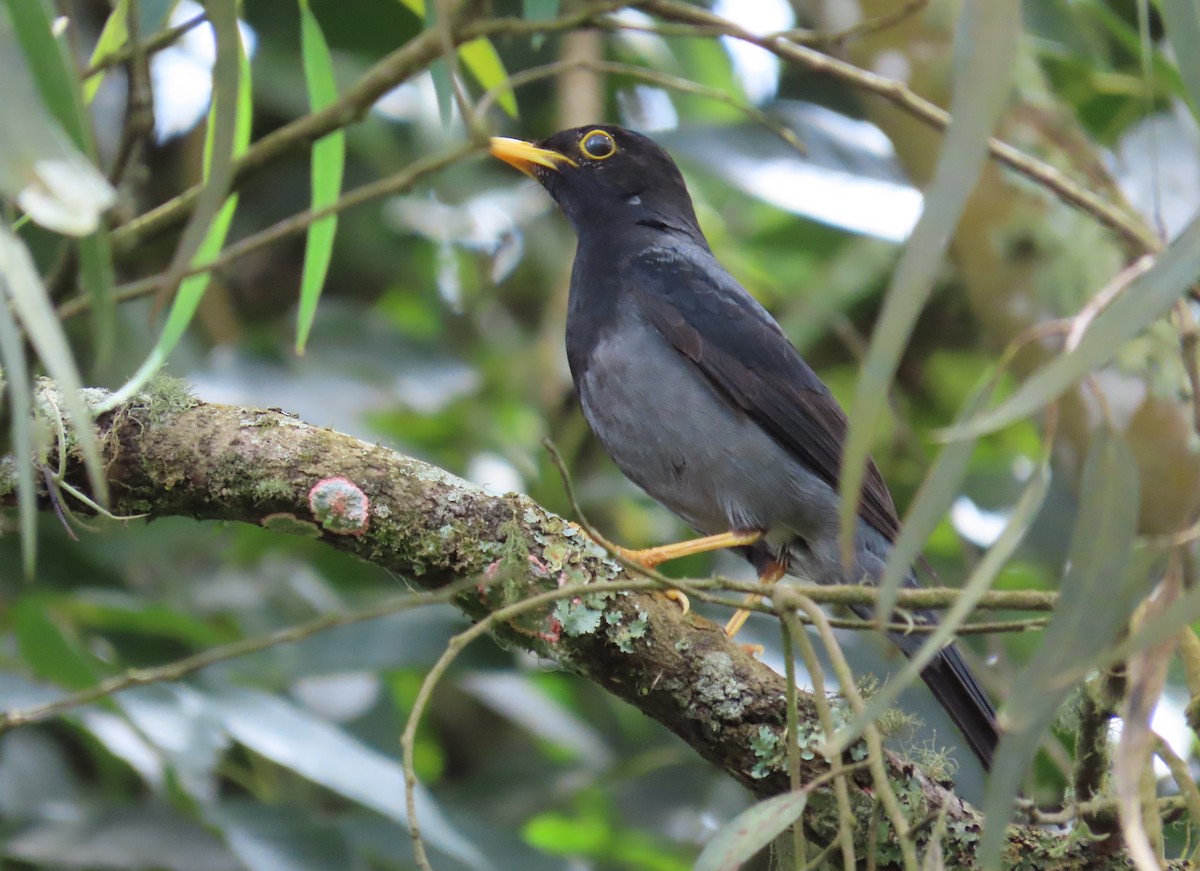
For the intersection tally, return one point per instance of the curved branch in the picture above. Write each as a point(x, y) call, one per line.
point(169, 455)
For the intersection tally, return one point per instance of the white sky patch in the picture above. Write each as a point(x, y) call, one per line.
point(756, 68)
point(338, 697)
point(976, 525)
point(652, 47)
point(1157, 164)
point(414, 100)
point(648, 109)
point(182, 74)
point(1170, 722)
point(494, 474)
point(873, 207)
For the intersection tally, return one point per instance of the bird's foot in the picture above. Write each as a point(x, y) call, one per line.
point(678, 598)
point(655, 556)
point(769, 575)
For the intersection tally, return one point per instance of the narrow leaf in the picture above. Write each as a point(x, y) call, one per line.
point(977, 584)
point(61, 189)
point(1099, 593)
point(49, 650)
point(739, 840)
point(1182, 20)
point(33, 309)
point(228, 136)
point(929, 506)
point(985, 50)
point(328, 163)
point(20, 395)
point(51, 68)
point(479, 56)
point(1147, 298)
point(324, 754)
point(112, 38)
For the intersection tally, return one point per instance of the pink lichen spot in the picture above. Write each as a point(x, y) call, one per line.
point(340, 506)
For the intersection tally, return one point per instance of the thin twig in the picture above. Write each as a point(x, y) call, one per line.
point(791, 600)
point(290, 226)
point(397, 67)
point(794, 631)
point(1140, 239)
point(153, 45)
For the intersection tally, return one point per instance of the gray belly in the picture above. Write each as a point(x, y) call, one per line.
point(680, 441)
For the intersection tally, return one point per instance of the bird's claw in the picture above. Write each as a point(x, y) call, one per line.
point(679, 599)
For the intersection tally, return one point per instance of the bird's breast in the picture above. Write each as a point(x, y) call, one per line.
point(677, 438)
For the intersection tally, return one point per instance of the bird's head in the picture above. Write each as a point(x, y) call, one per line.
point(606, 178)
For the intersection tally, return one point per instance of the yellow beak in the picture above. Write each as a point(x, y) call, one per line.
point(525, 155)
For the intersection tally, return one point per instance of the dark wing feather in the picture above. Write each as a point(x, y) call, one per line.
point(707, 316)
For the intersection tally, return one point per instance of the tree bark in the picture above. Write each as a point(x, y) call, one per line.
point(167, 454)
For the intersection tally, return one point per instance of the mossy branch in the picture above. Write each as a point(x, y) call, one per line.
point(169, 455)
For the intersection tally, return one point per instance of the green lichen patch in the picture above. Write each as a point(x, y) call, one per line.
point(770, 751)
point(577, 617)
point(340, 506)
point(718, 686)
point(271, 490)
point(623, 634)
point(290, 524)
point(165, 397)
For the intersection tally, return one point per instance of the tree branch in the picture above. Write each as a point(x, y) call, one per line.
point(169, 455)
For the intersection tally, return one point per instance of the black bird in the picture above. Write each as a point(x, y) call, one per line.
point(699, 397)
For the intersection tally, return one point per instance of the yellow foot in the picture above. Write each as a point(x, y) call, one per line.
point(772, 573)
point(679, 599)
point(653, 556)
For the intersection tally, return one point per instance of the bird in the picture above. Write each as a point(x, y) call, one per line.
point(697, 394)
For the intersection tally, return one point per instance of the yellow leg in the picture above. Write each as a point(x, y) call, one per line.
point(653, 556)
point(770, 575)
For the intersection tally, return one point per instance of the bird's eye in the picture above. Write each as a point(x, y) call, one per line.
point(598, 145)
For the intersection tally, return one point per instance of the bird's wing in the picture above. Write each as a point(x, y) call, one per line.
point(707, 316)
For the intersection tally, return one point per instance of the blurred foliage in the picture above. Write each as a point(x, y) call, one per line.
point(439, 331)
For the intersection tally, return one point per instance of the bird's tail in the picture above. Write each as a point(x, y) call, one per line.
point(954, 686)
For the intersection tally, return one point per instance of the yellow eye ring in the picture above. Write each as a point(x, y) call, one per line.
point(598, 145)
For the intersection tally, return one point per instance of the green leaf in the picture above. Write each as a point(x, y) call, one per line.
point(749, 832)
point(33, 309)
point(539, 10)
point(324, 754)
point(112, 38)
point(985, 52)
point(328, 163)
point(51, 68)
point(977, 584)
point(1098, 596)
point(929, 506)
point(480, 57)
point(20, 393)
point(229, 128)
point(281, 838)
point(50, 650)
point(83, 192)
point(1147, 298)
point(1182, 20)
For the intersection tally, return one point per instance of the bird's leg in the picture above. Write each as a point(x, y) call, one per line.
point(654, 556)
point(772, 573)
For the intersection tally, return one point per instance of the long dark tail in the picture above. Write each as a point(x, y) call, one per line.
point(954, 686)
